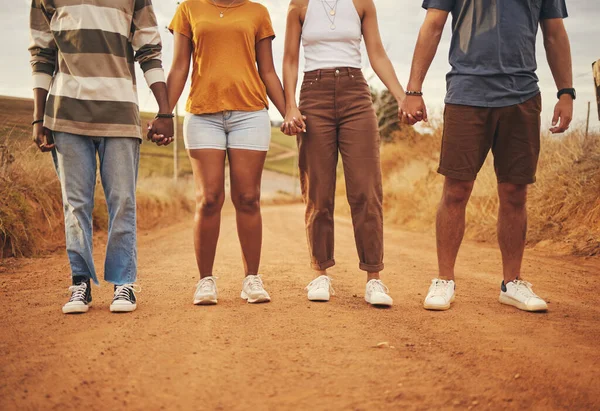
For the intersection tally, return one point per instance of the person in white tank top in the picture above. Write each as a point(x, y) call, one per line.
point(336, 115)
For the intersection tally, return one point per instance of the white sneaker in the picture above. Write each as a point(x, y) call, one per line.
point(81, 299)
point(320, 289)
point(518, 293)
point(124, 300)
point(253, 290)
point(440, 295)
point(376, 293)
point(206, 291)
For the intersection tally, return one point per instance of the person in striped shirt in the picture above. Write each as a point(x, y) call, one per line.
point(86, 105)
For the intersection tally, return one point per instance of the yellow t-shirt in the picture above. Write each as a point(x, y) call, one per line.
point(225, 76)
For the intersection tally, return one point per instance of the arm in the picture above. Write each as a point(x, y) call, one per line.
point(147, 46)
point(180, 68)
point(558, 53)
point(377, 55)
point(43, 62)
point(294, 121)
point(430, 34)
point(268, 75)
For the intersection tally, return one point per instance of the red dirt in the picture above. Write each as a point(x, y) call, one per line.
point(293, 354)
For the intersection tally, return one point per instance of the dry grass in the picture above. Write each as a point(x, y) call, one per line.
point(564, 204)
point(31, 218)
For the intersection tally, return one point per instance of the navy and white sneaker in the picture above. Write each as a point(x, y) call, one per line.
point(81, 298)
point(124, 300)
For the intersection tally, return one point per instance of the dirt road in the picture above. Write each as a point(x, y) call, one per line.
point(293, 354)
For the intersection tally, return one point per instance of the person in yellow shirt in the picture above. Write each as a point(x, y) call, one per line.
point(230, 45)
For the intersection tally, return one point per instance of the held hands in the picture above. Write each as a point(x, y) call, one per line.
point(42, 137)
point(563, 111)
point(293, 123)
point(161, 131)
point(412, 110)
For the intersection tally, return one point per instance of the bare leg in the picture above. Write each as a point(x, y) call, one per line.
point(450, 224)
point(246, 168)
point(512, 227)
point(209, 179)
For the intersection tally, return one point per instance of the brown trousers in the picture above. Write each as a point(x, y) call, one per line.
point(340, 118)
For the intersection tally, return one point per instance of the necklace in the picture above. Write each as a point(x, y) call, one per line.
point(330, 7)
point(222, 11)
point(331, 14)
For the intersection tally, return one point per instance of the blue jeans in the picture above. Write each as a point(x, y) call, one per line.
point(75, 162)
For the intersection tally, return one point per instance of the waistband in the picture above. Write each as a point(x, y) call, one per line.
point(333, 72)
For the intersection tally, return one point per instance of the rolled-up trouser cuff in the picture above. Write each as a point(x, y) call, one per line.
point(371, 268)
point(323, 266)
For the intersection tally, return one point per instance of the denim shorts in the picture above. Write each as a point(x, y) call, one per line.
point(246, 130)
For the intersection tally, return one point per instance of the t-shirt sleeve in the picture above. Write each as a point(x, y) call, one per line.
point(553, 9)
point(446, 5)
point(181, 22)
point(265, 27)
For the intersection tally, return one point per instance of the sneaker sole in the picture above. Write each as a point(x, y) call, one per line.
point(258, 300)
point(438, 307)
point(205, 301)
point(123, 309)
point(381, 303)
point(504, 299)
point(319, 299)
point(77, 310)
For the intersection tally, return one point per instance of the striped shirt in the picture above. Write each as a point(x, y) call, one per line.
point(83, 53)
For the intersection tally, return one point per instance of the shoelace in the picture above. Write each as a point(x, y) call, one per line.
point(255, 282)
point(321, 282)
point(122, 292)
point(439, 288)
point(379, 286)
point(206, 284)
point(527, 291)
point(78, 292)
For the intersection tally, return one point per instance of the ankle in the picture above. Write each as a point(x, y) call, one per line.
point(510, 278)
point(446, 277)
point(373, 276)
point(319, 273)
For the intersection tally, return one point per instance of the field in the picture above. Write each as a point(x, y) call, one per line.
point(158, 161)
point(30, 204)
point(291, 353)
point(563, 205)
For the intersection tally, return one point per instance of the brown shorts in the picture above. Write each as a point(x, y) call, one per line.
point(512, 133)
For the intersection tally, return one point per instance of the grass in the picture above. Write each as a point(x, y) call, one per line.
point(158, 161)
point(563, 205)
point(31, 218)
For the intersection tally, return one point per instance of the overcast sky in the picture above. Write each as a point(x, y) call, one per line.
point(399, 20)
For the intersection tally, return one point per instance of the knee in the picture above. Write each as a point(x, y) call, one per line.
point(209, 203)
point(457, 193)
point(247, 202)
point(512, 195)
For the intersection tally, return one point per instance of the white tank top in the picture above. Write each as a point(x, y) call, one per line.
point(331, 41)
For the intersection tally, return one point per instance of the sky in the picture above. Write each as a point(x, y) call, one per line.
point(399, 22)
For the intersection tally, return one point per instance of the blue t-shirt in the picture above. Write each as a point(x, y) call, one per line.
point(492, 52)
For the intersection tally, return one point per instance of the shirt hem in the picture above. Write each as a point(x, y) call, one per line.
point(200, 111)
point(87, 133)
point(514, 102)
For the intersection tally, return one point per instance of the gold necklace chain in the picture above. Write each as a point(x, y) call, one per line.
point(222, 11)
point(331, 14)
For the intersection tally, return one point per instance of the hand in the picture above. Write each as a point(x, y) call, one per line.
point(161, 131)
point(563, 111)
point(293, 122)
point(42, 137)
point(412, 110)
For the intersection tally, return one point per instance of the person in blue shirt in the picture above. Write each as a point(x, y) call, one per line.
point(492, 103)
